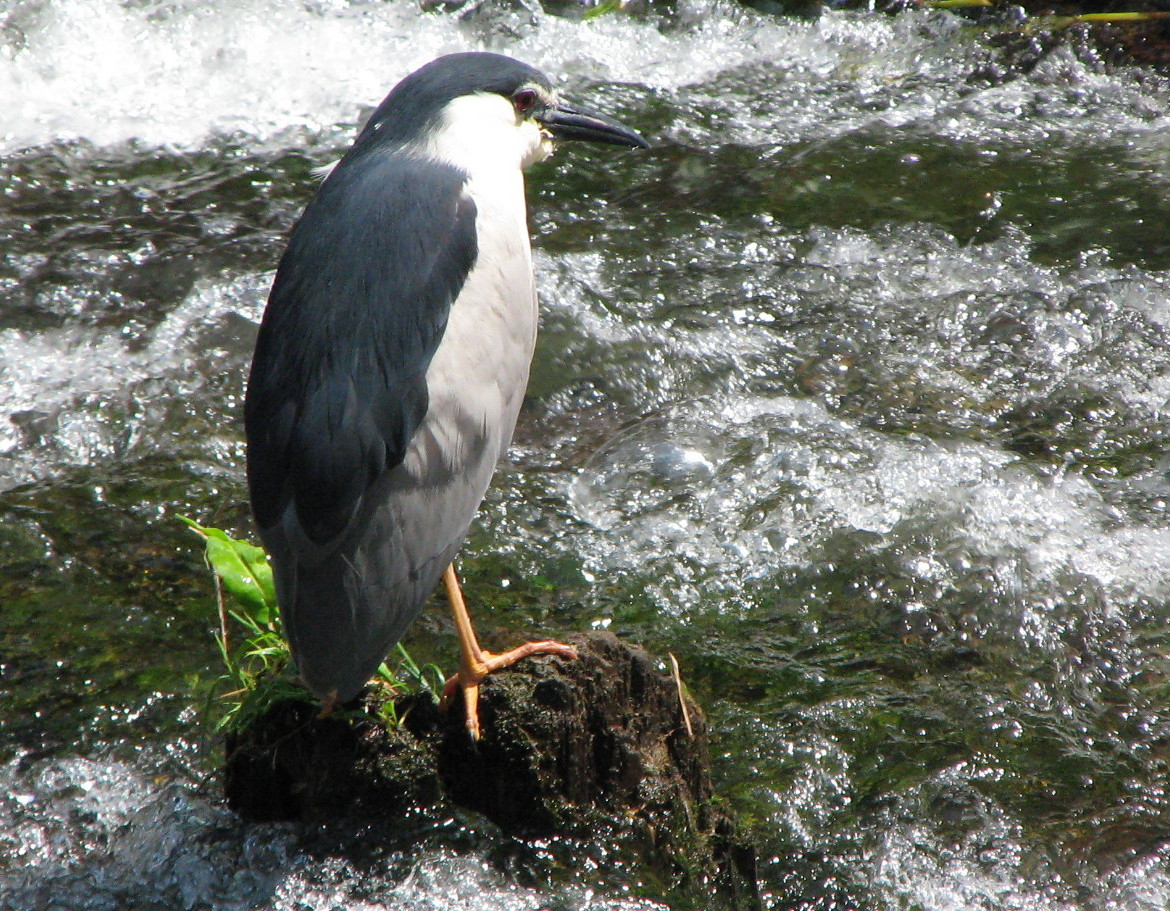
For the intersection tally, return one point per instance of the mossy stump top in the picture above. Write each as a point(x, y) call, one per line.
point(596, 748)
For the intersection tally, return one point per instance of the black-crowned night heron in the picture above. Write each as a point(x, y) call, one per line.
point(392, 360)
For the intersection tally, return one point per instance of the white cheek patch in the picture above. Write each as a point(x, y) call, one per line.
point(482, 132)
point(477, 131)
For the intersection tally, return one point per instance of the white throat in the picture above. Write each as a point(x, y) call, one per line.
point(483, 136)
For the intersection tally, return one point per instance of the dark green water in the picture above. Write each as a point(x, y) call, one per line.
point(852, 394)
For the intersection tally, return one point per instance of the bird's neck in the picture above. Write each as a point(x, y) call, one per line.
point(480, 136)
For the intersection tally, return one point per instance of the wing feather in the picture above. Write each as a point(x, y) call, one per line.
point(356, 312)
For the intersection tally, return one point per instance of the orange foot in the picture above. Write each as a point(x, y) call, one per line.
point(473, 672)
point(478, 663)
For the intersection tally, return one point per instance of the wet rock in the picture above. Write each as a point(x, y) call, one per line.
point(1030, 29)
point(592, 749)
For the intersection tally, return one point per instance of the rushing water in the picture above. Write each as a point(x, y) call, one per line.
point(852, 393)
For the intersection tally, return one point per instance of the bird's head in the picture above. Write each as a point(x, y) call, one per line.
point(471, 107)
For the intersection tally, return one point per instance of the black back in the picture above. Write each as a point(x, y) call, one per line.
point(358, 307)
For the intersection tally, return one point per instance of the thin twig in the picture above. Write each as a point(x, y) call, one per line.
point(681, 699)
point(223, 624)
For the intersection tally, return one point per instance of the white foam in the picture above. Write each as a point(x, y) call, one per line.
point(176, 73)
point(88, 395)
point(986, 509)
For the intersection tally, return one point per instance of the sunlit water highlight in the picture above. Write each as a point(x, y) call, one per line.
point(852, 394)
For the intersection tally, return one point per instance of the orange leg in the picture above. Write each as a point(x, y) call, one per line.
point(477, 663)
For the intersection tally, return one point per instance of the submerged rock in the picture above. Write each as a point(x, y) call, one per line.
point(597, 748)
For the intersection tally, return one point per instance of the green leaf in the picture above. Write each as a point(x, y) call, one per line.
point(244, 570)
point(604, 8)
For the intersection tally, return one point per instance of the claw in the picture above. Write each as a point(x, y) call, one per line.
point(328, 704)
point(478, 663)
point(472, 674)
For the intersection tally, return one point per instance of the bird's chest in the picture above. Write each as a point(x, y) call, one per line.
point(492, 326)
point(477, 378)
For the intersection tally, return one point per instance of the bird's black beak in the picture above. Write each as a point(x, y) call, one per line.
point(565, 121)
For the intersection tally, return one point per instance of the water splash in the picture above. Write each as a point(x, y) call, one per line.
point(82, 395)
point(93, 834)
point(175, 73)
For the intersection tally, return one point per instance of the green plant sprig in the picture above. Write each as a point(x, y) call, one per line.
point(257, 668)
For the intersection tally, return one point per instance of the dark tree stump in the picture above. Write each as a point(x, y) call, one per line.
point(590, 749)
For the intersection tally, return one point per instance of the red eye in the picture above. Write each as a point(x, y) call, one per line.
point(524, 100)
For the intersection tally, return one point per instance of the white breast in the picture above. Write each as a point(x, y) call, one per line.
point(477, 378)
